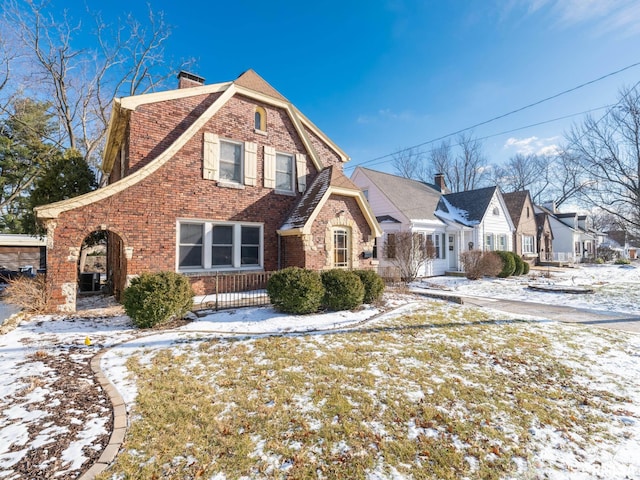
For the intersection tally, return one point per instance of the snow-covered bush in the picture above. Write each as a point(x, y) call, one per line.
point(156, 298)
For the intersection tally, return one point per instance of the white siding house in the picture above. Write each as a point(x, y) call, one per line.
point(452, 222)
point(405, 205)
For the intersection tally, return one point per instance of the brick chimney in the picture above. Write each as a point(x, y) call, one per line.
point(440, 183)
point(188, 80)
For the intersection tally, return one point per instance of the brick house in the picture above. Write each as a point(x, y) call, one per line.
point(525, 237)
point(206, 178)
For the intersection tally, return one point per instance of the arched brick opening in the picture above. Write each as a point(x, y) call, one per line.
point(108, 275)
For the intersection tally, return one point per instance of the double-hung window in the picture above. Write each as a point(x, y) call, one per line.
point(340, 248)
point(230, 161)
point(284, 172)
point(219, 245)
point(190, 245)
point(488, 242)
point(528, 244)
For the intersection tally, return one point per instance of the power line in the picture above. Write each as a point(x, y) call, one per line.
point(546, 99)
point(379, 160)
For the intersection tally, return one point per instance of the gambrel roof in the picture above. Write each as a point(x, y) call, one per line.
point(249, 84)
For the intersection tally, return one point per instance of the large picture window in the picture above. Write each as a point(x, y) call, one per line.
point(219, 246)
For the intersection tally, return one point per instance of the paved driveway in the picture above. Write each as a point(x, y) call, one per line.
point(598, 318)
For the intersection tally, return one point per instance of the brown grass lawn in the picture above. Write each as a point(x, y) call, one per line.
point(444, 393)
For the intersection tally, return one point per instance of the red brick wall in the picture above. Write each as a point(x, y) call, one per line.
point(144, 215)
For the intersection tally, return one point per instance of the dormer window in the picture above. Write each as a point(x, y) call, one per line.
point(260, 120)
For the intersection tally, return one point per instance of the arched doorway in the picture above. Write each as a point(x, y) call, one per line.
point(102, 264)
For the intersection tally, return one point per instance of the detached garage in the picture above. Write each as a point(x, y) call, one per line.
point(18, 251)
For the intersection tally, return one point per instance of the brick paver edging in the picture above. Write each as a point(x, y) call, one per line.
point(119, 421)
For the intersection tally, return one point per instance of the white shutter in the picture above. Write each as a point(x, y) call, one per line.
point(301, 171)
point(250, 163)
point(269, 167)
point(211, 156)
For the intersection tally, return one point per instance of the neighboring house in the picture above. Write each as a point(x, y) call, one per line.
point(572, 241)
point(544, 237)
point(454, 222)
point(404, 205)
point(484, 213)
point(20, 251)
point(523, 216)
point(628, 243)
point(228, 177)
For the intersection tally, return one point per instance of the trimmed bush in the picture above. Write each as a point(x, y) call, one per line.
point(343, 290)
point(156, 298)
point(508, 264)
point(622, 261)
point(373, 285)
point(296, 290)
point(526, 269)
point(519, 264)
point(490, 264)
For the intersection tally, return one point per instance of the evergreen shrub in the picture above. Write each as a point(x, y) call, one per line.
point(519, 264)
point(156, 298)
point(373, 285)
point(343, 289)
point(296, 290)
point(508, 264)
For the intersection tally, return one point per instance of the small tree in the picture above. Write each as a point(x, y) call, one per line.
point(409, 252)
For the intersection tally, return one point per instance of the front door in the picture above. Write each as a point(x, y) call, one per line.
point(452, 252)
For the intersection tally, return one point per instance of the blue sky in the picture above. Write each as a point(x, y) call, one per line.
point(378, 76)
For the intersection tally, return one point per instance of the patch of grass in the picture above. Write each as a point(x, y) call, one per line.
point(441, 393)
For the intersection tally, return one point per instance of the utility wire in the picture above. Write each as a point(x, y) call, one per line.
point(564, 92)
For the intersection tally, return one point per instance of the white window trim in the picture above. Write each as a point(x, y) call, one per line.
point(242, 166)
point(292, 186)
point(208, 244)
point(533, 244)
point(347, 232)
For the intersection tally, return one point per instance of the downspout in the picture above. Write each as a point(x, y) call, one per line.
point(279, 251)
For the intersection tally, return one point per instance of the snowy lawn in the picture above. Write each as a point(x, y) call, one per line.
point(431, 391)
point(428, 390)
point(617, 287)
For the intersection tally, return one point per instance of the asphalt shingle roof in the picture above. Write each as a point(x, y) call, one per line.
point(474, 202)
point(414, 199)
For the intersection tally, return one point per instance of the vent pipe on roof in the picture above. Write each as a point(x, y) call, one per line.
point(188, 80)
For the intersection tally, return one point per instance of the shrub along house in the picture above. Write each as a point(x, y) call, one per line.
point(229, 177)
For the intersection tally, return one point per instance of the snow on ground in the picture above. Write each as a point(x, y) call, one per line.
point(617, 287)
point(46, 336)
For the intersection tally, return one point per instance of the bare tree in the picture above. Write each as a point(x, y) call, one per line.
point(607, 151)
point(469, 168)
point(81, 83)
point(409, 163)
point(522, 172)
point(440, 161)
point(409, 252)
